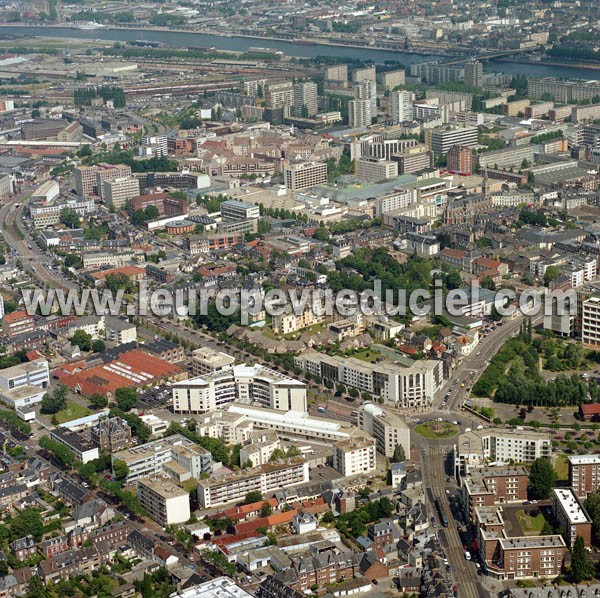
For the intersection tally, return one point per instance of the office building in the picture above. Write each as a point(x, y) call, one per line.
point(304, 175)
point(48, 214)
point(571, 516)
point(89, 179)
point(474, 73)
point(590, 321)
point(360, 113)
point(584, 474)
point(175, 455)
point(354, 456)
point(413, 160)
point(411, 386)
point(401, 106)
point(396, 200)
point(163, 500)
point(117, 192)
point(388, 429)
point(266, 479)
point(31, 373)
point(207, 361)
point(460, 160)
point(441, 139)
point(306, 101)
point(478, 447)
point(246, 384)
point(239, 210)
point(376, 170)
point(48, 191)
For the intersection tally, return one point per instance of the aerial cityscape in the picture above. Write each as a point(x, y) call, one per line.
point(300, 299)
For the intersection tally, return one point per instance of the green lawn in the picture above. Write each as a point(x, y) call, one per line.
point(367, 355)
point(72, 411)
point(562, 468)
point(530, 526)
point(436, 429)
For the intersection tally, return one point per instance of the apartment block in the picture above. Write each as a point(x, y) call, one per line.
point(247, 384)
point(584, 474)
point(388, 429)
point(365, 74)
point(478, 447)
point(460, 160)
point(279, 95)
point(360, 113)
point(305, 175)
point(174, 455)
point(266, 479)
point(117, 192)
point(354, 456)
point(561, 90)
point(392, 79)
point(531, 557)
point(401, 106)
point(306, 100)
point(163, 500)
point(571, 516)
point(507, 157)
point(590, 321)
point(17, 323)
point(494, 485)
point(366, 90)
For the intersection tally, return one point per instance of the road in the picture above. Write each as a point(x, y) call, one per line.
point(33, 260)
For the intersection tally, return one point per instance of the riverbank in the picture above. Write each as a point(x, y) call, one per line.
point(180, 38)
point(310, 42)
point(571, 65)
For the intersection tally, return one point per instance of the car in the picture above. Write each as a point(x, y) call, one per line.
point(526, 502)
point(455, 422)
point(478, 353)
point(534, 502)
point(467, 555)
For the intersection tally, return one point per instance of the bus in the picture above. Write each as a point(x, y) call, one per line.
point(438, 506)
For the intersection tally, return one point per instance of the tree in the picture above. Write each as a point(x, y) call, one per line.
point(581, 566)
point(84, 151)
point(98, 401)
point(55, 401)
point(25, 523)
point(399, 454)
point(82, 339)
point(542, 478)
point(328, 517)
point(120, 469)
point(98, 346)
point(69, 217)
point(36, 588)
point(252, 497)
point(266, 509)
point(126, 398)
point(551, 273)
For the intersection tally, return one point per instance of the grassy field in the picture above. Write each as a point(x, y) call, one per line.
point(530, 526)
point(436, 430)
point(72, 411)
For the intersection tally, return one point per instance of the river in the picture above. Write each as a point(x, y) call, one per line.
point(240, 44)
